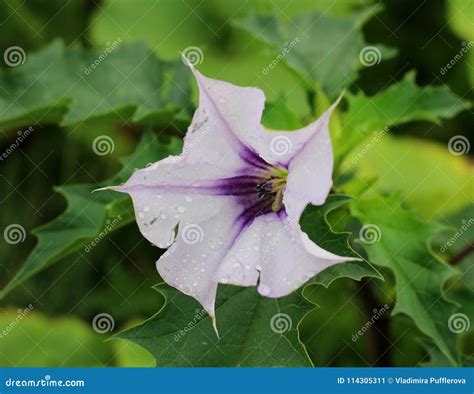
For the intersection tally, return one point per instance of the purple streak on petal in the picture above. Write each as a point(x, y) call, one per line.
point(251, 157)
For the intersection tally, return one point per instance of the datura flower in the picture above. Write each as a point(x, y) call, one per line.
point(229, 206)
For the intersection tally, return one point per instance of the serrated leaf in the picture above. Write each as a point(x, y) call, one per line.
point(330, 62)
point(401, 102)
point(314, 222)
point(128, 83)
point(88, 215)
point(182, 335)
point(400, 242)
point(254, 330)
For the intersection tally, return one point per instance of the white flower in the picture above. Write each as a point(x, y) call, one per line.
point(241, 194)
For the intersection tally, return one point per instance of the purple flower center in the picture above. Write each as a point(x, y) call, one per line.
point(259, 193)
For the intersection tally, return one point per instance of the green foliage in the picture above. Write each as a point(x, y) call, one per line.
point(181, 334)
point(59, 85)
point(315, 223)
point(30, 339)
point(401, 102)
point(89, 216)
point(400, 242)
point(302, 54)
point(330, 63)
point(440, 183)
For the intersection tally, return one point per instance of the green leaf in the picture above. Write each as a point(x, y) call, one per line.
point(430, 179)
point(402, 102)
point(331, 62)
point(181, 333)
point(314, 222)
point(459, 17)
point(58, 85)
point(89, 216)
point(399, 241)
point(278, 116)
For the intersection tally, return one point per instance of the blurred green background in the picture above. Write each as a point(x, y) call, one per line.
point(116, 277)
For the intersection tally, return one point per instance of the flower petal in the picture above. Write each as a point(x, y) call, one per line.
point(310, 169)
point(169, 191)
point(200, 246)
point(277, 250)
point(226, 113)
